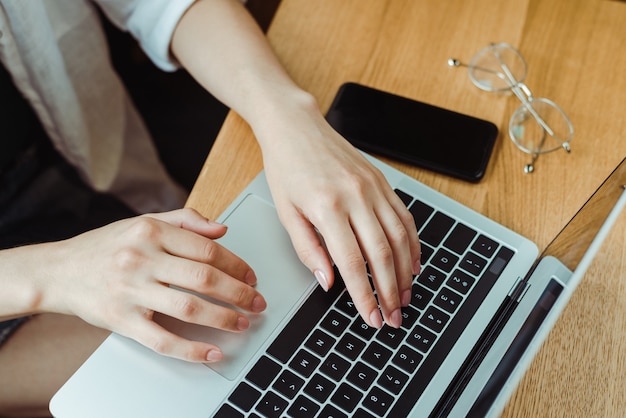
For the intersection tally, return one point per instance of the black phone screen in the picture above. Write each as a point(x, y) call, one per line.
point(413, 132)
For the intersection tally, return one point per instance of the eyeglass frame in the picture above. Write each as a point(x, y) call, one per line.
point(524, 94)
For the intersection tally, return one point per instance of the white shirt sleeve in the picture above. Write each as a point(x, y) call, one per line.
point(151, 22)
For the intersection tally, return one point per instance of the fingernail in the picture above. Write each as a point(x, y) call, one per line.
point(322, 279)
point(215, 223)
point(243, 323)
point(214, 355)
point(406, 298)
point(417, 267)
point(259, 304)
point(376, 320)
point(250, 278)
point(395, 320)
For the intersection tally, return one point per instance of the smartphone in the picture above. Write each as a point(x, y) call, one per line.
point(413, 132)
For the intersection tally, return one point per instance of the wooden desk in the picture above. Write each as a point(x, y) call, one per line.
point(575, 55)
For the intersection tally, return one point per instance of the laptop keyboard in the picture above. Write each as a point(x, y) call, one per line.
point(328, 362)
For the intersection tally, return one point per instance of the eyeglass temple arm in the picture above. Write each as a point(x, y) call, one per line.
point(525, 98)
point(514, 85)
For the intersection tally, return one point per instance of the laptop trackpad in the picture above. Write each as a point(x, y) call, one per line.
point(257, 236)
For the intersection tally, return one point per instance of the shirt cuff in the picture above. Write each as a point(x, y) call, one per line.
point(152, 23)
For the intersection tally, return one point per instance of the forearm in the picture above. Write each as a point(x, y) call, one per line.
point(219, 43)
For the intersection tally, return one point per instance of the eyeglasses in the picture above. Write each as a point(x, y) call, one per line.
point(539, 125)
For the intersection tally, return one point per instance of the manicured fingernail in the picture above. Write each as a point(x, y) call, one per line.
point(406, 298)
point(214, 223)
point(250, 278)
point(395, 319)
point(376, 320)
point(259, 304)
point(417, 267)
point(214, 355)
point(243, 323)
point(322, 279)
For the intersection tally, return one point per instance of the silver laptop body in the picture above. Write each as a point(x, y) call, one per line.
point(471, 371)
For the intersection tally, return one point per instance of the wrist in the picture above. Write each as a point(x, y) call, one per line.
point(24, 280)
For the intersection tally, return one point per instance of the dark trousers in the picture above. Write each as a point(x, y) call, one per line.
point(42, 199)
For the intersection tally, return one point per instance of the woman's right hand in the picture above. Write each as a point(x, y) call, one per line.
point(118, 276)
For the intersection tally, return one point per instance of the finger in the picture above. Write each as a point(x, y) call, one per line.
point(158, 339)
point(398, 240)
point(191, 246)
point(382, 264)
point(211, 281)
point(310, 248)
point(191, 220)
point(193, 309)
point(408, 221)
point(345, 251)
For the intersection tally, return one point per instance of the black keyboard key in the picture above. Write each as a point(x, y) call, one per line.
point(448, 300)
point(426, 253)
point(420, 296)
point(393, 380)
point(304, 363)
point(485, 246)
point(320, 343)
point(345, 305)
point(391, 337)
point(421, 212)
point(431, 278)
point(436, 229)
point(330, 411)
point(435, 319)
point(263, 372)
point(335, 323)
point(347, 397)
point(461, 282)
point(227, 411)
point(350, 346)
point(460, 238)
point(245, 396)
point(378, 401)
point(407, 359)
point(362, 413)
point(444, 260)
point(377, 355)
point(303, 407)
point(272, 405)
point(335, 367)
point(360, 328)
point(303, 322)
point(288, 384)
point(319, 388)
point(473, 263)
point(409, 316)
point(421, 338)
point(362, 376)
point(406, 198)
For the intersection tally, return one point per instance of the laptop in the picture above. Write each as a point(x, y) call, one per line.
point(482, 306)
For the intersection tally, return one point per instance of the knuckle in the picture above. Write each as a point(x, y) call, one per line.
point(210, 251)
point(227, 320)
point(129, 259)
point(243, 296)
point(159, 345)
point(202, 277)
point(384, 253)
point(185, 306)
point(145, 228)
point(354, 262)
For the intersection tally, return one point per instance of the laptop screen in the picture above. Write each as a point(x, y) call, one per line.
point(571, 244)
